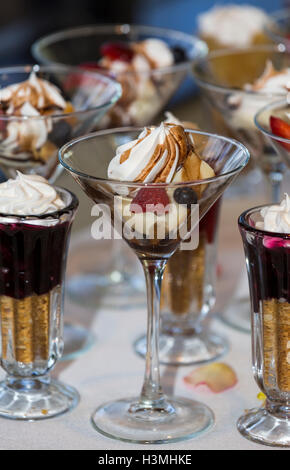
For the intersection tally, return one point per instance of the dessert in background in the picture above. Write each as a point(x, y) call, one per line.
point(232, 26)
point(143, 70)
point(34, 140)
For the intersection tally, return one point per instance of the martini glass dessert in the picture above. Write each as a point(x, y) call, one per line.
point(35, 223)
point(237, 83)
point(273, 121)
point(150, 64)
point(141, 181)
point(41, 108)
point(266, 236)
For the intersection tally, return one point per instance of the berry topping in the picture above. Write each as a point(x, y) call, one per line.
point(150, 200)
point(280, 128)
point(185, 196)
point(117, 51)
point(179, 54)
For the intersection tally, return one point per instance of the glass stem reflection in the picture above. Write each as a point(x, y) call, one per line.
point(275, 179)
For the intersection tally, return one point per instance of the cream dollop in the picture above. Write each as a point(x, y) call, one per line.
point(153, 157)
point(271, 81)
point(29, 195)
point(232, 25)
point(276, 217)
point(157, 52)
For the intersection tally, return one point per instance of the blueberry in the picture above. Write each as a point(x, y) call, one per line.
point(185, 196)
point(61, 133)
point(179, 54)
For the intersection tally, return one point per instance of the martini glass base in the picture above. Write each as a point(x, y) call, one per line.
point(189, 419)
point(179, 350)
point(238, 315)
point(258, 425)
point(35, 399)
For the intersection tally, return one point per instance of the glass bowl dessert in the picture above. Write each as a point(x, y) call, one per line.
point(266, 236)
point(142, 177)
point(42, 107)
point(233, 25)
point(237, 83)
point(35, 223)
point(273, 121)
point(150, 63)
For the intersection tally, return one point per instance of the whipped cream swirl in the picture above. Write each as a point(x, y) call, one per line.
point(271, 81)
point(153, 157)
point(276, 217)
point(29, 195)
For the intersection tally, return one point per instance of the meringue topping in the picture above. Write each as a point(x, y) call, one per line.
point(276, 217)
point(153, 157)
point(38, 93)
point(29, 195)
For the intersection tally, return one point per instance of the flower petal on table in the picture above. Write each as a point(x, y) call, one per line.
point(217, 376)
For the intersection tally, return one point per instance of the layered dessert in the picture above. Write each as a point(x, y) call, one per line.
point(267, 248)
point(35, 221)
point(232, 26)
point(143, 69)
point(31, 124)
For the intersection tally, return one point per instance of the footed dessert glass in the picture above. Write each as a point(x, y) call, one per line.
point(145, 93)
point(33, 253)
point(278, 109)
point(89, 96)
point(187, 296)
point(267, 259)
point(152, 417)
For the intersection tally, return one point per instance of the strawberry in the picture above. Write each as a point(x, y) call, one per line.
point(117, 51)
point(150, 200)
point(280, 128)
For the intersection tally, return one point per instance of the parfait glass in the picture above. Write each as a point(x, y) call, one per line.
point(91, 96)
point(145, 95)
point(222, 76)
point(267, 259)
point(33, 252)
point(187, 297)
point(152, 417)
point(278, 109)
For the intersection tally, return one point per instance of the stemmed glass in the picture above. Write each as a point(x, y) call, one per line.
point(145, 94)
point(277, 109)
point(91, 96)
point(152, 417)
point(222, 76)
point(278, 27)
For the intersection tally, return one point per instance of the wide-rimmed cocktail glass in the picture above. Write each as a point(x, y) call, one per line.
point(145, 94)
point(33, 251)
point(152, 417)
point(91, 95)
point(268, 259)
point(222, 76)
point(278, 109)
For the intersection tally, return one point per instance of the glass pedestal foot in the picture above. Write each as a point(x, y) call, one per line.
point(111, 290)
point(189, 419)
point(238, 315)
point(181, 350)
point(260, 426)
point(77, 341)
point(35, 398)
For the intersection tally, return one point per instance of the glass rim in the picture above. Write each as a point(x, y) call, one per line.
point(276, 16)
point(70, 206)
point(265, 131)
point(132, 184)
point(279, 48)
point(122, 29)
point(61, 68)
point(242, 221)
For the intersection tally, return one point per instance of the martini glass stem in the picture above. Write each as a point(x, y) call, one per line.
point(152, 401)
point(275, 179)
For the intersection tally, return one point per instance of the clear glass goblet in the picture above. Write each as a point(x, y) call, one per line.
point(152, 417)
point(91, 96)
point(144, 96)
point(267, 259)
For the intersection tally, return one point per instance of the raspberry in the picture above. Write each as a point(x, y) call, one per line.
point(117, 51)
point(150, 200)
